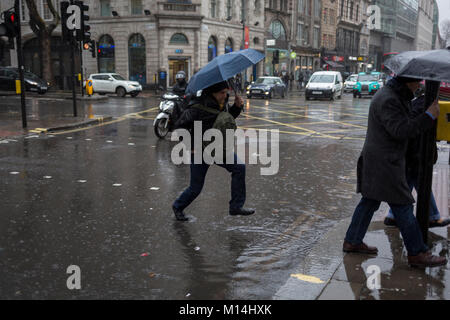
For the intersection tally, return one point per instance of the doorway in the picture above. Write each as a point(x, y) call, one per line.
point(175, 65)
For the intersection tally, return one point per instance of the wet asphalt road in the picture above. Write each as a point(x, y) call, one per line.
point(100, 198)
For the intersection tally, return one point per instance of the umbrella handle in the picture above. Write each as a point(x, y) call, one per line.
point(232, 84)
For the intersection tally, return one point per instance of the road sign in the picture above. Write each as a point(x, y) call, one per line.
point(293, 55)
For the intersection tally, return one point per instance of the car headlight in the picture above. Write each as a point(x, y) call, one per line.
point(34, 83)
point(249, 87)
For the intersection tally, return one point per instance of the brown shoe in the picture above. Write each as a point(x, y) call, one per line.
point(426, 259)
point(359, 248)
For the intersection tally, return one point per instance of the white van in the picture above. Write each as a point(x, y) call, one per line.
point(325, 84)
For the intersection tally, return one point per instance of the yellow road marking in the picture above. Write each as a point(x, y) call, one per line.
point(307, 278)
point(315, 118)
point(295, 127)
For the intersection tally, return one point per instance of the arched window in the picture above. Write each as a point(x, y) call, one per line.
point(106, 54)
point(212, 48)
point(277, 30)
point(137, 59)
point(228, 45)
point(179, 38)
point(256, 41)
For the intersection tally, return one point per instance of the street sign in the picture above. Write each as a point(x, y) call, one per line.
point(270, 42)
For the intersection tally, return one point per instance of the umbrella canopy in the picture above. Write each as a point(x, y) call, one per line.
point(223, 67)
point(428, 65)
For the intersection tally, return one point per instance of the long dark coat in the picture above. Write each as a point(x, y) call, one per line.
point(381, 166)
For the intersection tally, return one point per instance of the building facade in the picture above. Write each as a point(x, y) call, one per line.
point(141, 39)
point(425, 17)
point(150, 37)
point(278, 36)
point(329, 56)
point(348, 34)
point(398, 29)
point(307, 37)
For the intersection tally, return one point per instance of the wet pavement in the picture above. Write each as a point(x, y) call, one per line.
point(100, 198)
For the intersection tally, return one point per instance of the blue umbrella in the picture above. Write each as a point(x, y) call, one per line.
point(223, 68)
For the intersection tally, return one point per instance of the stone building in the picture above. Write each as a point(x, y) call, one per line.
point(330, 59)
point(140, 38)
point(424, 35)
point(150, 36)
point(348, 35)
point(278, 35)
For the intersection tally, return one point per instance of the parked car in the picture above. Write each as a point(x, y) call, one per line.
point(9, 75)
point(103, 83)
point(324, 84)
point(267, 87)
point(367, 84)
point(350, 83)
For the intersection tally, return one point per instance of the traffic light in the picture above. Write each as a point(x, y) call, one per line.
point(83, 33)
point(9, 28)
point(276, 57)
point(90, 46)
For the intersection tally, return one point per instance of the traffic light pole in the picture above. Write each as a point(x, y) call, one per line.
point(73, 77)
point(20, 62)
point(81, 69)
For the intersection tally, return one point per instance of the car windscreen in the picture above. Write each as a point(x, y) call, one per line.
point(118, 77)
point(352, 78)
point(265, 81)
point(31, 76)
point(322, 78)
point(368, 77)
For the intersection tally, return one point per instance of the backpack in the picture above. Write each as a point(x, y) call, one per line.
point(223, 122)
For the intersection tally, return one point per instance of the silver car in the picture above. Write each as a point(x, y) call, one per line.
point(350, 83)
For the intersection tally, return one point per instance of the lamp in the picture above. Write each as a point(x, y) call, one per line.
point(147, 12)
point(114, 13)
point(256, 23)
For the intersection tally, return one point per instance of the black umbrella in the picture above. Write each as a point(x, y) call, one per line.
point(432, 66)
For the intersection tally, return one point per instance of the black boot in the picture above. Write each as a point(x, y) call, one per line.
point(179, 214)
point(241, 212)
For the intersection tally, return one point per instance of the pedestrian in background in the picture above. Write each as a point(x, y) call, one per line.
point(381, 170)
point(300, 80)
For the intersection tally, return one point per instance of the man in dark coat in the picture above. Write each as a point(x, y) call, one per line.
point(412, 171)
point(381, 169)
point(214, 97)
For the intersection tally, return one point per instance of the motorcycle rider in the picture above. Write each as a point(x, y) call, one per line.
point(180, 87)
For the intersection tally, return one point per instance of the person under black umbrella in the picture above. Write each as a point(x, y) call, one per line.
point(381, 170)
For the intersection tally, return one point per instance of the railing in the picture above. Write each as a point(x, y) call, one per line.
point(181, 7)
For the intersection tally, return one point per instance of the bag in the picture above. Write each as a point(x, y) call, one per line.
point(223, 122)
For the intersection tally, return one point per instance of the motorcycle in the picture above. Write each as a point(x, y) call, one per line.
point(170, 109)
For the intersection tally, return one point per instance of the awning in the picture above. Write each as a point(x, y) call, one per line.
point(334, 64)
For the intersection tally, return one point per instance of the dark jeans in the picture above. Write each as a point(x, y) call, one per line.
point(198, 174)
point(434, 211)
point(407, 223)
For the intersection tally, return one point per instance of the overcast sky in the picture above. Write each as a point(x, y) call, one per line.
point(444, 10)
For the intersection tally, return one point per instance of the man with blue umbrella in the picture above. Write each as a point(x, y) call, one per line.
point(214, 97)
point(211, 87)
